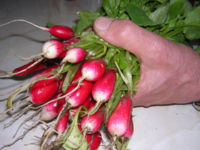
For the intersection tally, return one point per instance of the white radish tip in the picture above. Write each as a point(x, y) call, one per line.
point(70, 57)
point(47, 116)
point(88, 74)
point(52, 49)
point(100, 96)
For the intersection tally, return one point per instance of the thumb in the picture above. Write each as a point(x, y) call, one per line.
point(127, 35)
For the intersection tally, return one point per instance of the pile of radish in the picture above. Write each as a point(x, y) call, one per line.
point(78, 87)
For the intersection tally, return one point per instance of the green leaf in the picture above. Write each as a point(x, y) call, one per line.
point(159, 16)
point(121, 61)
point(176, 9)
point(197, 49)
point(111, 7)
point(193, 20)
point(138, 16)
point(70, 74)
point(86, 20)
point(73, 138)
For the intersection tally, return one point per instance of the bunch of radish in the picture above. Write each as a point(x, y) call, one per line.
point(72, 91)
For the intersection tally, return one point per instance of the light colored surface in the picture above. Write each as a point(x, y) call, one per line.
point(156, 128)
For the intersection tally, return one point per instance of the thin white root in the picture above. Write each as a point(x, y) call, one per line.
point(14, 106)
point(26, 120)
point(22, 20)
point(30, 57)
point(17, 116)
point(112, 144)
point(20, 137)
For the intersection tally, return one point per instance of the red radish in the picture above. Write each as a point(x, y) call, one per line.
point(63, 54)
point(119, 119)
point(79, 96)
point(42, 90)
point(66, 44)
point(74, 55)
point(92, 123)
point(85, 104)
point(52, 49)
point(70, 42)
point(93, 140)
point(62, 124)
point(27, 71)
point(103, 88)
point(62, 32)
point(130, 129)
point(92, 70)
point(49, 111)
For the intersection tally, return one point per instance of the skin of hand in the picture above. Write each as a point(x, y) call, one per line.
point(169, 71)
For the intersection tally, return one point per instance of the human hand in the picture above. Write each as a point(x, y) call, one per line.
point(170, 72)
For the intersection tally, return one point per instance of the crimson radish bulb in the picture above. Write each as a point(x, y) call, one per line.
point(118, 121)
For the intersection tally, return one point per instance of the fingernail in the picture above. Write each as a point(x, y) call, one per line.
point(103, 23)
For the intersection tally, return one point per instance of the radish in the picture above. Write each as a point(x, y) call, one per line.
point(78, 97)
point(103, 88)
point(43, 90)
point(66, 44)
point(118, 122)
point(25, 70)
point(52, 49)
point(49, 111)
point(92, 70)
point(130, 129)
point(93, 140)
point(62, 124)
point(62, 32)
point(91, 124)
point(86, 104)
point(70, 42)
point(73, 55)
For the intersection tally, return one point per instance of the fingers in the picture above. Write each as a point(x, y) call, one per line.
point(125, 34)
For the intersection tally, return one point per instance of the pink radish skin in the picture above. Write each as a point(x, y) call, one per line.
point(62, 124)
point(93, 140)
point(92, 70)
point(36, 68)
point(66, 44)
point(103, 88)
point(130, 129)
point(79, 96)
point(93, 122)
point(43, 90)
point(70, 42)
point(61, 32)
point(74, 55)
point(52, 49)
point(49, 111)
point(119, 119)
point(85, 104)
